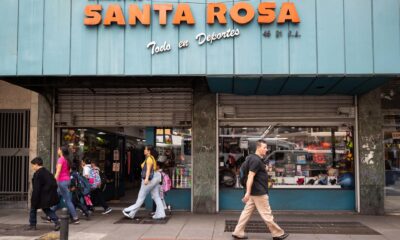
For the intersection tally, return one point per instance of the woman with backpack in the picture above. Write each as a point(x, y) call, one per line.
point(79, 188)
point(151, 179)
point(92, 172)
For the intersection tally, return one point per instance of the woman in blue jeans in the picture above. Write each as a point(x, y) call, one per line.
point(149, 185)
point(63, 180)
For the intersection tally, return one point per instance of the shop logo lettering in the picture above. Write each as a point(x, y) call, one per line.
point(240, 13)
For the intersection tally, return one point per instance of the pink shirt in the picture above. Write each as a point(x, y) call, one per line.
point(64, 173)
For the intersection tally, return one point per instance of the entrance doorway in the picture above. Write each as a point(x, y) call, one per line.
point(119, 153)
point(392, 163)
point(112, 125)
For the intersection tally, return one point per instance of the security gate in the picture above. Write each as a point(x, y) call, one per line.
point(14, 156)
point(110, 107)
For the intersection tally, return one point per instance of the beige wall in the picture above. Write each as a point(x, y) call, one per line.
point(14, 97)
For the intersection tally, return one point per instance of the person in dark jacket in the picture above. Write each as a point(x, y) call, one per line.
point(44, 194)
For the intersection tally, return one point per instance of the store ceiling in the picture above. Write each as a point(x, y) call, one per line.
point(295, 85)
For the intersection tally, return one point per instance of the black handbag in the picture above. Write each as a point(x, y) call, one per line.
point(144, 170)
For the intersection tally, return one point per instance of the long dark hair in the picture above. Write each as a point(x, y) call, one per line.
point(65, 153)
point(153, 152)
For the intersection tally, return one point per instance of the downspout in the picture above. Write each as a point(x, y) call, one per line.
point(217, 154)
point(356, 156)
point(53, 110)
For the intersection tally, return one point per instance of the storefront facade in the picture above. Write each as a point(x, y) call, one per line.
point(303, 75)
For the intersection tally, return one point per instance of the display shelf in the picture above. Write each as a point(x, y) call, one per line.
point(307, 186)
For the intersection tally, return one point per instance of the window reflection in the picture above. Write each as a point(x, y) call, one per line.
point(298, 157)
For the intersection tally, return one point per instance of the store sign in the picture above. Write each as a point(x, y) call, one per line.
point(396, 135)
point(240, 13)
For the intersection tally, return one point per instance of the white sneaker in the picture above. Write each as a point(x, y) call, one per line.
point(127, 214)
point(108, 210)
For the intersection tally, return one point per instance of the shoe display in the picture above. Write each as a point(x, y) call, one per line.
point(107, 211)
point(283, 236)
point(237, 237)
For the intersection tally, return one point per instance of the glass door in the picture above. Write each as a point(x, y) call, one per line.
point(391, 134)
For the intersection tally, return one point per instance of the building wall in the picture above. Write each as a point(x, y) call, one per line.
point(14, 97)
point(48, 37)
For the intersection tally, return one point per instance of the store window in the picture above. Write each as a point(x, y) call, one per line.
point(297, 157)
point(175, 156)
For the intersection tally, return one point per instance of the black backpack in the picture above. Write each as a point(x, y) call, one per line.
point(244, 172)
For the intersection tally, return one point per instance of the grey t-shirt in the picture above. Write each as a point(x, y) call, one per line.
point(260, 183)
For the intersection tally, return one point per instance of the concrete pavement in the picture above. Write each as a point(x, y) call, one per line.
point(183, 225)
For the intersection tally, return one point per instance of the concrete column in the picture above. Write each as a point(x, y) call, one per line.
point(40, 133)
point(372, 166)
point(204, 147)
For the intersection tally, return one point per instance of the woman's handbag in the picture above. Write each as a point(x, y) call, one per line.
point(144, 170)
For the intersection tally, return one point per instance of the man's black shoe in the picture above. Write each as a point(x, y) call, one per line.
point(283, 236)
point(57, 227)
point(46, 219)
point(237, 237)
point(30, 228)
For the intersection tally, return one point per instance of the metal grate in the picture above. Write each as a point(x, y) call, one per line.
point(124, 107)
point(14, 156)
point(346, 228)
point(18, 230)
point(142, 217)
point(257, 110)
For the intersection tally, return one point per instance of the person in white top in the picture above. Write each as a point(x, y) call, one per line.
point(95, 194)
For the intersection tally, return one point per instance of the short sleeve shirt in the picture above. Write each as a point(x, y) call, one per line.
point(260, 183)
point(64, 173)
point(86, 170)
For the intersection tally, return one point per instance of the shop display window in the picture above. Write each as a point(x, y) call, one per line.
point(95, 145)
point(297, 157)
point(175, 156)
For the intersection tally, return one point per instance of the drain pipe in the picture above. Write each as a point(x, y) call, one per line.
point(53, 110)
point(356, 156)
point(217, 153)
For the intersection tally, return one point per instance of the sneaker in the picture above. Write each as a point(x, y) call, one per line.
point(168, 211)
point(57, 227)
point(239, 237)
point(75, 221)
point(31, 228)
point(87, 216)
point(127, 214)
point(283, 236)
point(46, 219)
point(107, 211)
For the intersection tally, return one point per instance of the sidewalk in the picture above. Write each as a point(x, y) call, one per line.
point(183, 225)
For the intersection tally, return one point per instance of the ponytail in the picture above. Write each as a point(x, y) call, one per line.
point(65, 153)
